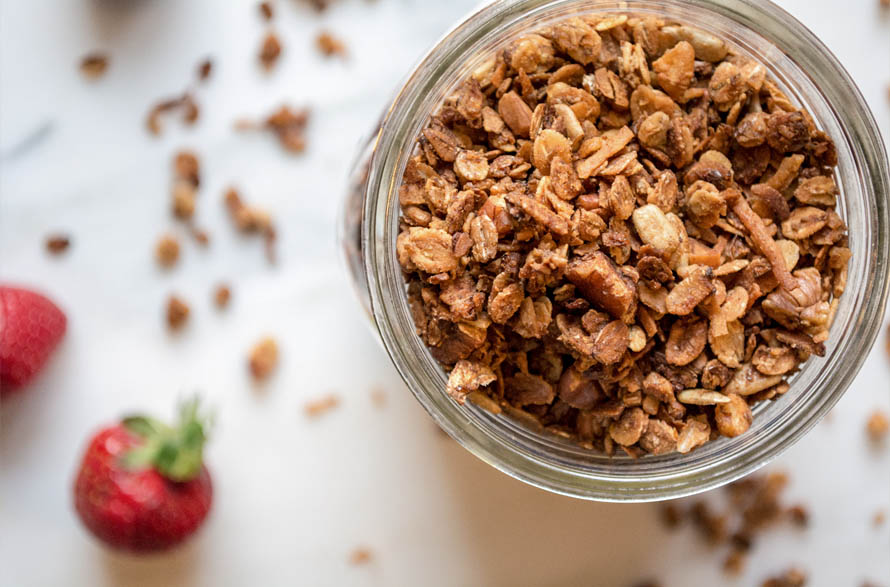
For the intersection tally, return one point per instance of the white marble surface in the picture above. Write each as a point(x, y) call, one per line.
point(294, 496)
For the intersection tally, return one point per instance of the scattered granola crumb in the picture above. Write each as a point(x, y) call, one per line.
point(799, 515)
point(287, 124)
point(251, 220)
point(187, 167)
point(879, 518)
point(360, 556)
point(222, 295)
point(270, 51)
point(322, 405)
point(94, 65)
point(184, 200)
point(671, 515)
point(329, 45)
point(267, 11)
point(57, 243)
point(201, 236)
point(177, 312)
point(378, 397)
point(167, 251)
point(878, 426)
point(263, 358)
point(205, 68)
point(734, 563)
point(185, 103)
point(791, 578)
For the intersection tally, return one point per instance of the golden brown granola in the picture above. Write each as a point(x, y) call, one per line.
point(167, 251)
point(177, 312)
point(57, 244)
point(620, 230)
point(94, 65)
point(263, 358)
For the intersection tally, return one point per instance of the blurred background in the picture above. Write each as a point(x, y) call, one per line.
point(295, 495)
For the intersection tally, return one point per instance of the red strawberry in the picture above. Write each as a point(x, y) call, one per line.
point(30, 328)
point(142, 486)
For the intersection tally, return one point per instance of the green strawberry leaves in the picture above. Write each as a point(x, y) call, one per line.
point(174, 452)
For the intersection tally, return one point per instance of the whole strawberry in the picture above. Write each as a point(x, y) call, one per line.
point(30, 328)
point(142, 485)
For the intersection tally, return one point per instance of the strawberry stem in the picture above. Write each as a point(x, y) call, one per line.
point(174, 452)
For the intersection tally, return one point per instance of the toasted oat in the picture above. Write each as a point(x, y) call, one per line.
point(263, 358)
point(177, 312)
point(360, 556)
point(167, 251)
point(329, 45)
point(270, 51)
point(94, 65)
point(222, 295)
point(205, 68)
point(57, 244)
point(877, 426)
point(621, 230)
point(321, 406)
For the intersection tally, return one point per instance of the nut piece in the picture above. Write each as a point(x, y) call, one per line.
point(693, 434)
point(167, 251)
point(659, 437)
point(600, 282)
point(689, 293)
point(263, 358)
point(629, 427)
point(516, 113)
point(734, 417)
point(656, 230)
point(702, 397)
point(177, 312)
point(466, 377)
point(674, 70)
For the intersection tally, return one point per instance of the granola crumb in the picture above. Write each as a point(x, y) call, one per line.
point(177, 312)
point(319, 407)
point(734, 563)
point(250, 220)
point(270, 51)
point(167, 251)
point(184, 201)
point(263, 358)
point(187, 167)
point(799, 515)
point(205, 68)
point(222, 295)
point(201, 236)
point(288, 125)
point(793, 577)
point(360, 556)
point(879, 517)
point(378, 397)
point(57, 244)
point(877, 426)
point(329, 45)
point(185, 104)
point(267, 11)
point(94, 65)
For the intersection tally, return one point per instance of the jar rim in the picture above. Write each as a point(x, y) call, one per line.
point(549, 463)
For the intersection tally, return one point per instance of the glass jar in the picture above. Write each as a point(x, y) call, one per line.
point(803, 68)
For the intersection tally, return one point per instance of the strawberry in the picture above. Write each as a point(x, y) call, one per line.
point(30, 328)
point(142, 485)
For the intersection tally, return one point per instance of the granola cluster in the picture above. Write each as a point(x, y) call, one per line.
point(622, 231)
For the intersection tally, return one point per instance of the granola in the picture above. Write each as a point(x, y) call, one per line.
point(622, 231)
point(329, 45)
point(94, 65)
point(57, 244)
point(167, 251)
point(263, 358)
point(177, 312)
